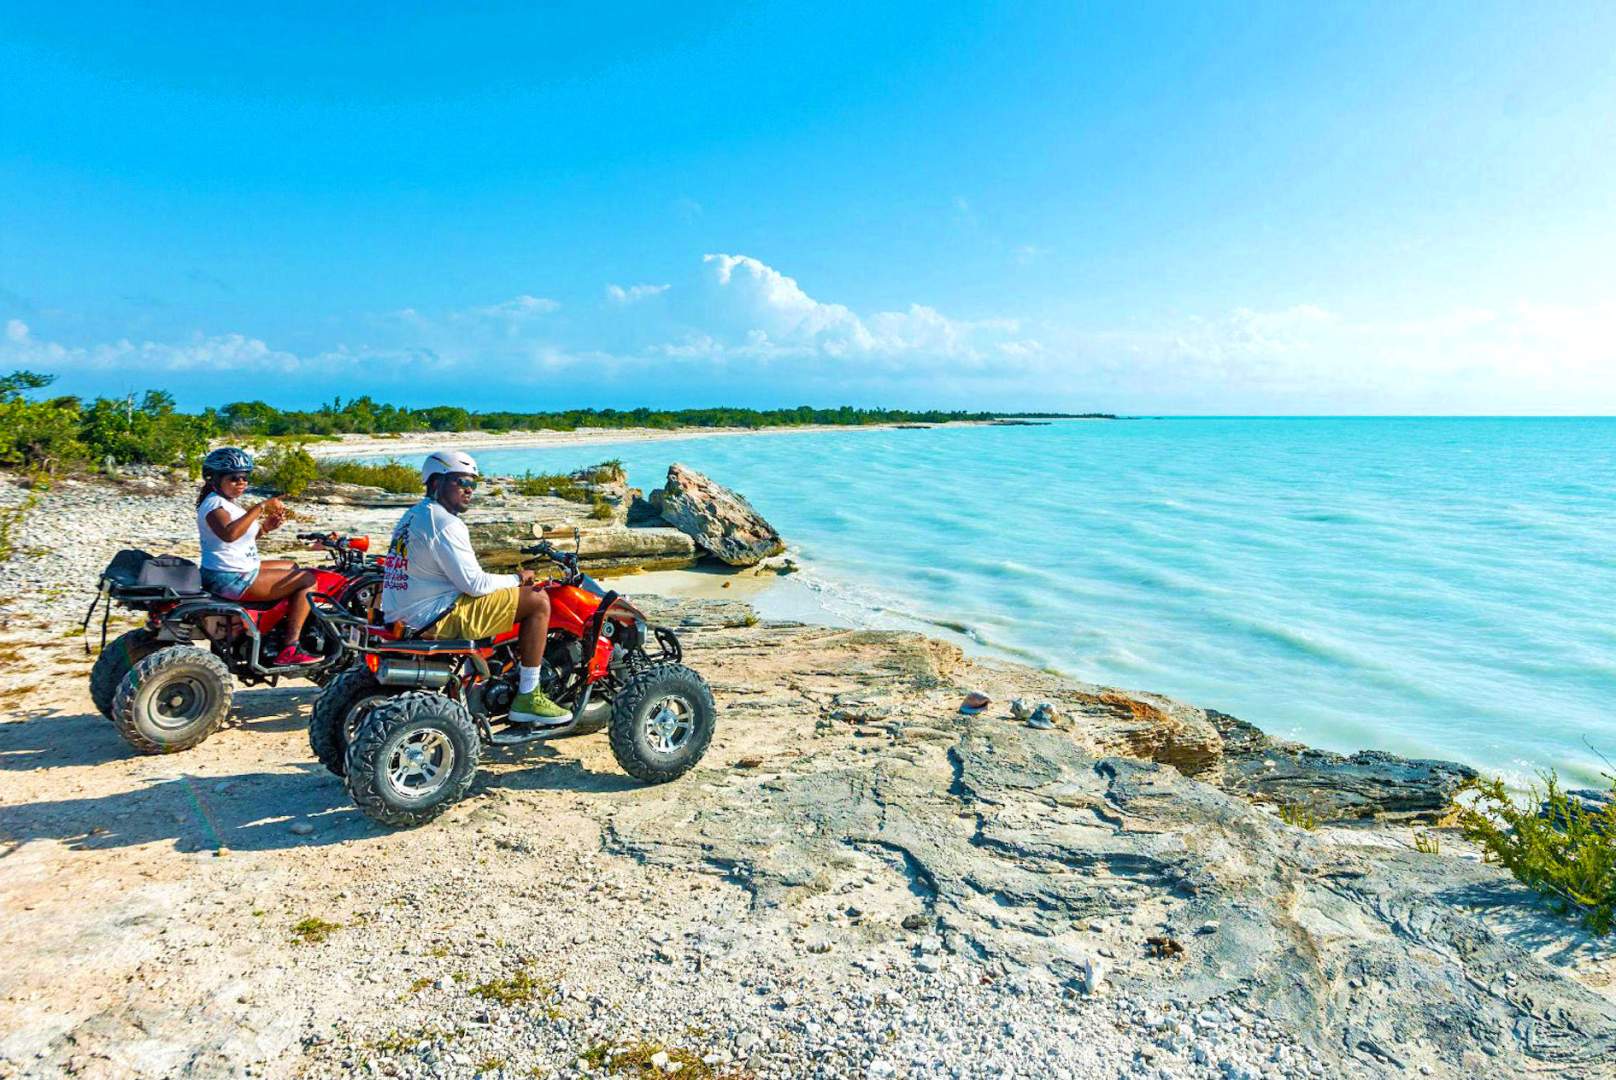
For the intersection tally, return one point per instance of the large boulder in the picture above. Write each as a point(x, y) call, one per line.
point(721, 522)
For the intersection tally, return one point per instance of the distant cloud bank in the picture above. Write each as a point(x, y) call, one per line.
point(735, 322)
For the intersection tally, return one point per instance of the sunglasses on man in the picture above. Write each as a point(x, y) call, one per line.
point(464, 483)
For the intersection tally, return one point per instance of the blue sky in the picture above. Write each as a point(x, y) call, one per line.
point(1262, 208)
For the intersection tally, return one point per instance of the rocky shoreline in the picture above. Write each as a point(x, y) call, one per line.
point(859, 881)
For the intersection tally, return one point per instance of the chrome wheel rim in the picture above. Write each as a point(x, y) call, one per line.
point(179, 702)
point(420, 763)
point(669, 723)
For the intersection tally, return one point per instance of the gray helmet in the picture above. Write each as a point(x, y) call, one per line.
point(225, 460)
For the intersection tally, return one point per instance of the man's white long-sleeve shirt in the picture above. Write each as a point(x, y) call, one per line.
point(429, 564)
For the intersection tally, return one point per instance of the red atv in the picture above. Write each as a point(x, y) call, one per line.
point(406, 727)
point(165, 693)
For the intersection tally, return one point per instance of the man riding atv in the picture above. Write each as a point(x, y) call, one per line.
point(433, 585)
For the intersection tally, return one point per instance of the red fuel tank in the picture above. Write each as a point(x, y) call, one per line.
point(571, 608)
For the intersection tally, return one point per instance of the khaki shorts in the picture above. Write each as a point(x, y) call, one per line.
point(474, 617)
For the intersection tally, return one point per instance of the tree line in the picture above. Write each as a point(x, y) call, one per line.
point(51, 434)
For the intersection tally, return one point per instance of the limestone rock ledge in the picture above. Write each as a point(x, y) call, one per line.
point(1042, 851)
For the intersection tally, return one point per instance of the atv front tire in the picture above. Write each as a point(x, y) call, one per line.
point(413, 757)
point(339, 710)
point(122, 653)
point(172, 700)
point(662, 722)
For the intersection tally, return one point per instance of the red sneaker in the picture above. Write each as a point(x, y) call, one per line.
point(293, 655)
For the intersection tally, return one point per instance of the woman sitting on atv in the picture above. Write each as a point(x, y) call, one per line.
point(231, 567)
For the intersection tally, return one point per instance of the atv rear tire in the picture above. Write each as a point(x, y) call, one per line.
point(339, 710)
point(412, 758)
point(172, 700)
point(122, 653)
point(662, 723)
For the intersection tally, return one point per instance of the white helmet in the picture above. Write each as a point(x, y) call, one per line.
point(447, 461)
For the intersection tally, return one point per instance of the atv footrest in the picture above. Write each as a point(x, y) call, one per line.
point(537, 734)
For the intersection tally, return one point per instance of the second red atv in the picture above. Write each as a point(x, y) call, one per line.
point(407, 726)
point(167, 685)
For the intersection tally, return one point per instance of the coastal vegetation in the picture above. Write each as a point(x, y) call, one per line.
point(67, 433)
point(365, 416)
point(1559, 844)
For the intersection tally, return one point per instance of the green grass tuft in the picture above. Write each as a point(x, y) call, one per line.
point(517, 989)
point(313, 930)
point(1299, 815)
point(634, 1060)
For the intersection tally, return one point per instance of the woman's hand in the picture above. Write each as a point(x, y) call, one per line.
point(272, 515)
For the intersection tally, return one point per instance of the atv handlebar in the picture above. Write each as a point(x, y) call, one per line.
point(545, 550)
point(349, 552)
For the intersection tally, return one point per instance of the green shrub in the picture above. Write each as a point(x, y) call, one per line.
point(151, 433)
point(394, 476)
point(601, 510)
point(609, 471)
point(37, 436)
point(1552, 844)
point(287, 470)
point(559, 485)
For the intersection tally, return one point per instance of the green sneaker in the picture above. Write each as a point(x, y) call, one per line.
point(534, 708)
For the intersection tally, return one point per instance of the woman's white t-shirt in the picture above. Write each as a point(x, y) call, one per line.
point(237, 556)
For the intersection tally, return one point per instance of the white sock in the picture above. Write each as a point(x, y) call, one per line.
point(527, 678)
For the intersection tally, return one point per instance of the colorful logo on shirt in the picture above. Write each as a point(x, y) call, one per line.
point(396, 563)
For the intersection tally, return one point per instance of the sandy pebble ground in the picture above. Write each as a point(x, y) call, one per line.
point(227, 911)
point(155, 912)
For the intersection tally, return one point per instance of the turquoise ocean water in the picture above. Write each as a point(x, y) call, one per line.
point(1432, 587)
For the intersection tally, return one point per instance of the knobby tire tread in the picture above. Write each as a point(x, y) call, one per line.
point(155, 665)
point(624, 725)
point(367, 745)
point(326, 718)
point(122, 653)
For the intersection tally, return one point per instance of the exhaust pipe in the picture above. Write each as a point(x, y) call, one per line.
point(413, 674)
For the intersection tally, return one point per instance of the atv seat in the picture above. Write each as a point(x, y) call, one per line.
point(250, 605)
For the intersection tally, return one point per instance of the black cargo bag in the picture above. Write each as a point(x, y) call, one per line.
point(135, 569)
point(136, 576)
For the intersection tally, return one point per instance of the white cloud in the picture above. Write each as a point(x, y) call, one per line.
point(736, 318)
point(1529, 358)
point(517, 308)
point(768, 315)
point(633, 294)
point(224, 351)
